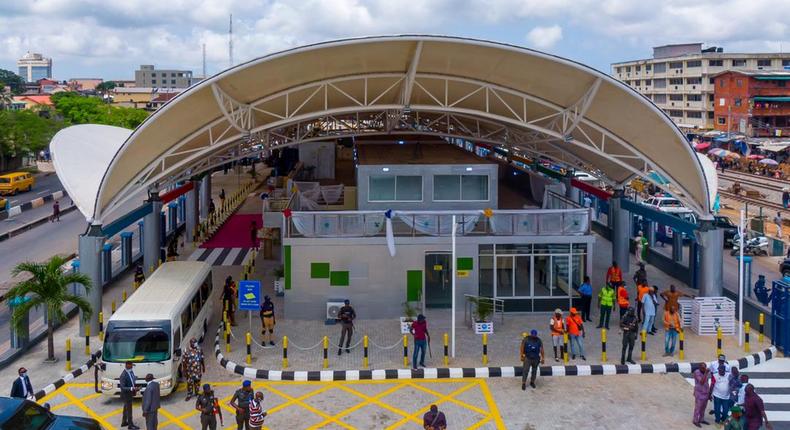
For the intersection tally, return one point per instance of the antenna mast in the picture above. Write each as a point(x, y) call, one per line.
point(204, 61)
point(230, 41)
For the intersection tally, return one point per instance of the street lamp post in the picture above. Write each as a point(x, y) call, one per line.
point(741, 231)
point(452, 283)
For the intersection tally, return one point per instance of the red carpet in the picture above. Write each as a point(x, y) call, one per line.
point(235, 233)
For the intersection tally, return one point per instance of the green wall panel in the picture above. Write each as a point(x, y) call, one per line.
point(465, 263)
point(338, 279)
point(413, 285)
point(287, 267)
point(319, 270)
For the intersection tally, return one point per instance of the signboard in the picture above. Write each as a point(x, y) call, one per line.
point(463, 273)
point(437, 267)
point(484, 327)
point(249, 295)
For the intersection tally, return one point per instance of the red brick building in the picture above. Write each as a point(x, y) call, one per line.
point(755, 103)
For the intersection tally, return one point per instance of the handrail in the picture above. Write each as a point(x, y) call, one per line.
point(498, 306)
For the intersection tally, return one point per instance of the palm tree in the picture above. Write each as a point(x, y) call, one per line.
point(47, 286)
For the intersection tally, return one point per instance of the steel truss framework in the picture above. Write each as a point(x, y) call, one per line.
point(405, 103)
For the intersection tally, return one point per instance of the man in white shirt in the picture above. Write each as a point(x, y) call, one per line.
point(720, 391)
point(22, 386)
point(722, 361)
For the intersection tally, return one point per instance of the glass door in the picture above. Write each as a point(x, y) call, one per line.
point(438, 283)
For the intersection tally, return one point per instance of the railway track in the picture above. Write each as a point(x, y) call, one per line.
point(752, 201)
point(756, 181)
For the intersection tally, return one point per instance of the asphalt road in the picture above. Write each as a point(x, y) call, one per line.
point(45, 184)
point(30, 216)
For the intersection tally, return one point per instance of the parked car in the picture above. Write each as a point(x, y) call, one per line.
point(730, 229)
point(784, 268)
point(16, 413)
point(3, 203)
point(13, 183)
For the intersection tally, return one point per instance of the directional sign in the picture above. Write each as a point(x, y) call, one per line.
point(249, 295)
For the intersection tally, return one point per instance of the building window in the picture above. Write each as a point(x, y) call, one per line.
point(676, 113)
point(694, 98)
point(153, 81)
point(172, 81)
point(710, 114)
point(180, 74)
point(647, 67)
point(660, 98)
point(660, 67)
point(153, 74)
point(739, 83)
point(737, 102)
point(648, 82)
point(715, 63)
point(722, 82)
point(627, 69)
point(676, 97)
point(712, 81)
point(738, 63)
point(395, 188)
point(764, 63)
point(721, 120)
point(619, 69)
point(694, 63)
point(460, 187)
point(638, 68)
point(173, 74)
point(659, 83)
point(676, 81)
point(694, 114)
point(676, 65)
point(710, 97)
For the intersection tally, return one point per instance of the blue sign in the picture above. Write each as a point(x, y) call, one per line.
point(249, 295)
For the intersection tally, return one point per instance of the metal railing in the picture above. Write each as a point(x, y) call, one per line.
point(497, 306)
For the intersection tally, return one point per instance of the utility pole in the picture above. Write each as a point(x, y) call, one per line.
point(204, 61)
point(230, 42)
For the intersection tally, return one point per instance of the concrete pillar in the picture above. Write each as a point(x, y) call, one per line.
point(621, 229)
point(710, 242)
point(126, 248)
point(205, 195)
point(140, 231)
point(181, 205)
point(172, 216)
point(152, 235)
point(90, 249)
point(106, 263)
point(571, 192)
point(650, 234)
point(191, 212)
point(162, 230)
point(677, 246)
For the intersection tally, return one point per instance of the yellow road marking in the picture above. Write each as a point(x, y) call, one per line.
point(441, 399)
point(481, 423)
point(172, 419)
point(492, 406)
point(76, 401)
point(298, 401)
point(367, 400)
point(452, 399)
point(113, 413)
point(82, 399)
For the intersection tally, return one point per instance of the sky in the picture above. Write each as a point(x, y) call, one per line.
point(111, 38)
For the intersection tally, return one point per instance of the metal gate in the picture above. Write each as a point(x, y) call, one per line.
point(780, 311)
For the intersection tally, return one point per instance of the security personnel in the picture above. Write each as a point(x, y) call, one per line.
point(267, 320)
point(139, 276)
point(630, 326)
point(346, 316)
point(206, 405)
point(606, 300)
point(241, 403)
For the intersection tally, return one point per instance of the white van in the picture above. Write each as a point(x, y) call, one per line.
point(154, 326)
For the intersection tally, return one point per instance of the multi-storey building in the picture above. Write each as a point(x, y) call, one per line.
point(679, 78)
point(33, 67)
point(150, 77)
point(754, 103)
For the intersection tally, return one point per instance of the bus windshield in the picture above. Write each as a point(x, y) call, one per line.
point(141, 343)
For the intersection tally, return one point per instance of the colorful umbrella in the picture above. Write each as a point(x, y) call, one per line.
point(701, 146)
point(768, 162)
point(718, 152)
point(755, 157)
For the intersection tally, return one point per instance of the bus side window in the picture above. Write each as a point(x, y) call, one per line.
point(177, 340)
point(196, 306)
point(205, 290)
point(186, 319)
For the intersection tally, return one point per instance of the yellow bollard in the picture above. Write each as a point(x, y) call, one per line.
point(123, 297)
point(326, 352)
point(249, 348)
point(644, 345)
point(718, 341)
point(285, 352)
point(565, 348)
point(101, 326)
point(112, 307)
point(682, 341)
point(227, 339)
point(603, 345)
point(746, 328)
point(762, 327)
point(446, 350)
point(135, 285)
point(365, 352)
point(68, 354)
point(87, 339)
point(405, 351)
point(485, 349)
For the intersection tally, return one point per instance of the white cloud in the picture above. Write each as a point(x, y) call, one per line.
point(544, 37)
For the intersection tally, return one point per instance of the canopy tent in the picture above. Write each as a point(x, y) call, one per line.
point(528, 102)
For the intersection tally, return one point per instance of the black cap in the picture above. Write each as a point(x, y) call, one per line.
point(346, 301)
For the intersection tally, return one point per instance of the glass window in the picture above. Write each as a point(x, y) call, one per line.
point(153, 81)
point(739, 83)
point(660, 67)
point(676, 81)
point(474, 187)
point(737, 102)
point(525, 248)
point(542, 273)
point(647, 67)
point(408, 188)
point(504, 276)
point(764, 63)
point(715, 63)
point(186, 319)
point(694, 63)
point(560, 271)
point(577, 267)
point(552, 248)
point(486, 249)
point(173, 81)
point(30, 417)
point(139, 344)
point(381, 188)
point(676, 97)
point(694, 97)
point(738, 63)
point(522, 276)
point(785, 63)
point(721, 120)
point(486, 282)
point(446, 187)
point(676, 65)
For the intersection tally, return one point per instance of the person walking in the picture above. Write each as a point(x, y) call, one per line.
point(606, 301)
point(128, 390)
point(434, 419)
point(346, 316)
point(622, 299)
point(649, 304)
point(208, 406)
point(640, 276)
point(531, 355)
point(194, 367)
point(735, 387)
point(257, 414)
point(151, 397)
point(229, 299)
point(222, 198)
point(720, 394)
point(755, 410)
point(672, 328)
point(614, 274)
point(641, 249)
point(240, 402)
point(419, 329)
point(267, 321)
point(56, 211)
point(21, 387)
point(630, 326)
point(585, 292)
point(778, 222)
point(557, 329)
point(575, 327)
point(701, 394)
point(641, 290)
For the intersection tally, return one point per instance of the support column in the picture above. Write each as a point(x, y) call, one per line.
point(162, 231)
point(571, 192)
point(140, 235)
point(152, 235)
point(172, 216)
point(191, 212)
point(621, 227)
point(126, 249)
point(90, 249)
point(710, 242)
point(650, 234)
point(677, 246)
point(205, 195)
point(181, 205)
point(106, 263)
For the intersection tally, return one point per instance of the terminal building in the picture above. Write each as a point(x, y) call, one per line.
point(391, 154)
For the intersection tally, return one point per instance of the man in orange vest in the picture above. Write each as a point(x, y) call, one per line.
point(614, 274)
point(557, 327)
point(575, 327)
point(622, 299)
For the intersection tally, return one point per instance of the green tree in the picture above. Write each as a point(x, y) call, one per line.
point(48, 287)
point(79, 109)
point(5, 97)
point(25, 131)
point(13, 81)
point(105, 87)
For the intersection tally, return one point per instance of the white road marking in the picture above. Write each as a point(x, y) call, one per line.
point(43, 192)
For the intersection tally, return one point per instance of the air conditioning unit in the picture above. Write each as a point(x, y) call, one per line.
point(333, 308)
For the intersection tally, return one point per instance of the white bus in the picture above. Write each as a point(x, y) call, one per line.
point(154, 326)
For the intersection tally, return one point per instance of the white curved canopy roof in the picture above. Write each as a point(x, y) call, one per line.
point(527, 101)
